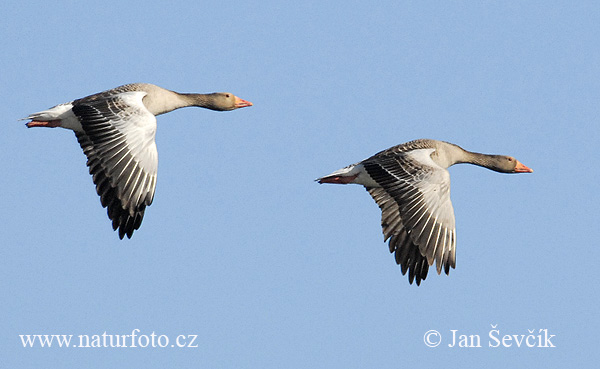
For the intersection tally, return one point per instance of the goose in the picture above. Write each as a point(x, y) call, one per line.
point(116, 130)
point(411, 185)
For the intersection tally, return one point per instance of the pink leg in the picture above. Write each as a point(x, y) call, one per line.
point(338, 179)
point(49, 124)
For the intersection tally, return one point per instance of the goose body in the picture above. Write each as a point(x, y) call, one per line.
point(411, 184)
point(116, 130)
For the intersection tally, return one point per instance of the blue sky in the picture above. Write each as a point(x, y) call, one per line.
point(241, 247)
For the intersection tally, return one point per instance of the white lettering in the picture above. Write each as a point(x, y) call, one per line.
point(453, 338)
point(194, 337)
point(491, 335)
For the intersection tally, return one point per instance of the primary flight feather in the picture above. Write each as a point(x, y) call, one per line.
point(116, 130)
point(411, 185)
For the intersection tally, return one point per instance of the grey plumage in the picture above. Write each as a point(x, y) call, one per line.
point(411, 186)
point(116, 130)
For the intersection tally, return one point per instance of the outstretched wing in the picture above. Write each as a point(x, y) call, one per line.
point(118, 140)
point(417, 215)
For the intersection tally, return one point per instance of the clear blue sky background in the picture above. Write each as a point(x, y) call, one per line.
point(241, 247)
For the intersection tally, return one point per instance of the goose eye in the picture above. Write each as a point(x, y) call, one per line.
point(227, 96)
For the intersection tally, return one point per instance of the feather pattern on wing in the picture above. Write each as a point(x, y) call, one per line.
point(411, 184)
point(118, 140)
point(417, 215)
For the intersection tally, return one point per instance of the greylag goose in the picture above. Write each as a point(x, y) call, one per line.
point(411, 185)
point(116, 130)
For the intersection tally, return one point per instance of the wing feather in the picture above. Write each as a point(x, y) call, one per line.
point(417, 214)
point(118, 140)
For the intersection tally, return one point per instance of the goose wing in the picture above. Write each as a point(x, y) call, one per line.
point(118, 139)
point(417, 214)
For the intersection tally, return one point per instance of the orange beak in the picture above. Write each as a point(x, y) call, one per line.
point(520, 168)
point(241, 103)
